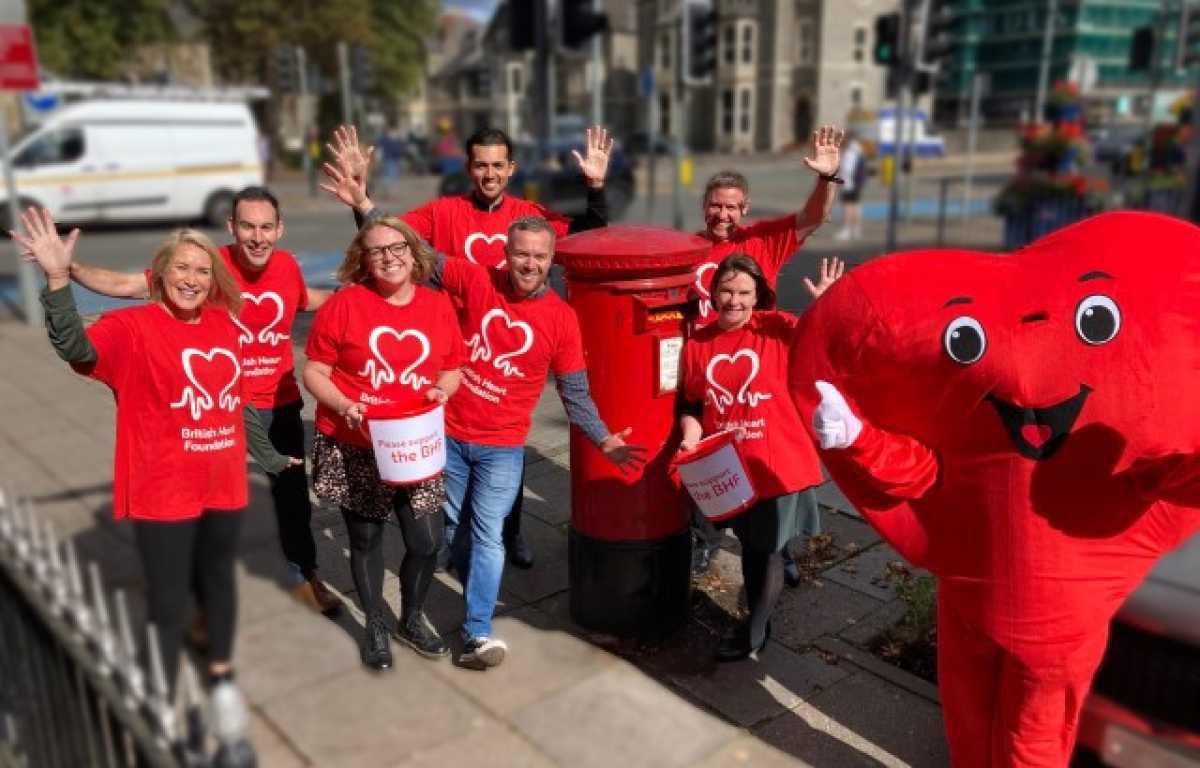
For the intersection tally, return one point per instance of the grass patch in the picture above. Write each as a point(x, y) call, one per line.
point(912, 643)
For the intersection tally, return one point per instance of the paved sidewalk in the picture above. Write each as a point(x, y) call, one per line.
point(562, 698)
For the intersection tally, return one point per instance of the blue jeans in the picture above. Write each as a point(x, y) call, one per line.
point(482, 481)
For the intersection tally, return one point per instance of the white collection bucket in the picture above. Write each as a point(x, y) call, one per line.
point(409, 446)
point(715, 476)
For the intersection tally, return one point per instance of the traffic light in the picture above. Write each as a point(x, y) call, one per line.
point(887, 39)
point(362, 73)
point(699, 41)
point(522, 25)
point(285, 69)
point(580, 22)
point(1141, 49)
point(1189, 43)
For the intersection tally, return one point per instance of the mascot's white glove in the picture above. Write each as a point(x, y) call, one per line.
point(834, 422)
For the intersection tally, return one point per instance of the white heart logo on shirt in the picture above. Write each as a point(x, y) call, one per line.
point(722, 398)
point(379, 371)
point(265, 335)
point(475, 237)
point(195, 397)
point(481, 345)
point(702, 289)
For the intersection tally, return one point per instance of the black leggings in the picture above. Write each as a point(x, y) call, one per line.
point(289, 489)
point(762, 573)
point(178, 554)
point(422, 537)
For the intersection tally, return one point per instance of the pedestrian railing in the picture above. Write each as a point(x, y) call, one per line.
point(73, 690)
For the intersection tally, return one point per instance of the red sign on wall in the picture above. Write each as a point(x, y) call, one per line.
point(18, 61)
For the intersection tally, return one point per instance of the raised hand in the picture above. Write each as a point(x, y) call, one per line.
point(628, 458)
point(826, 157)
point(42, 244)
point(835, 424)
point(594, 161)
point(831, 270)
point(349, 154)
point(343, 185)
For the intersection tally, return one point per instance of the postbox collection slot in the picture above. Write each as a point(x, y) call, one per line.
point(661, 313)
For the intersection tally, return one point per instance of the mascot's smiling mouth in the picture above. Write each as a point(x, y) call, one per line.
point(1039, 432)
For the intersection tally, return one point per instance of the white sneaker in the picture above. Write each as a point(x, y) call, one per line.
point(483, 652)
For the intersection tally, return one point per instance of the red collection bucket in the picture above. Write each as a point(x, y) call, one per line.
point(715, 476)
point(409, 445)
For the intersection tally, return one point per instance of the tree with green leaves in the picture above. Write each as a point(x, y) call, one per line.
point(92, 40)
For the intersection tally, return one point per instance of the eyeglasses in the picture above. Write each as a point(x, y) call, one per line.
point(395, 250)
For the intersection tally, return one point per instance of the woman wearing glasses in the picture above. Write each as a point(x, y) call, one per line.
point(382, 341)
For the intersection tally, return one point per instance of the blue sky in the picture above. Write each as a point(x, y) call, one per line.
point(480, 9)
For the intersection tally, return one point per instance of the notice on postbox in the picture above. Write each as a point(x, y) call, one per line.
point(669, 352)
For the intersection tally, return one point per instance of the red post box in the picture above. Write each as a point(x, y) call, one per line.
point(629, 544)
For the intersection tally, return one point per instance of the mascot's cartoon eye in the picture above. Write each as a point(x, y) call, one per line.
point(964, 340)
point(1097, 319)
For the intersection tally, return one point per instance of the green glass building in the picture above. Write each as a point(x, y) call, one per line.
point(1092, 39)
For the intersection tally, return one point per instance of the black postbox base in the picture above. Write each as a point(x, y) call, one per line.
point(633, 589)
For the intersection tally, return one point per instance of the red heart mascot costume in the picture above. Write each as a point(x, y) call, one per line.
point(1026, 427)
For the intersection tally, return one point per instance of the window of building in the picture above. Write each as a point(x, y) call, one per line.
point(860, 43)
point(748, 44)
point(664, 51)
point(664, 114)
point(729, 44)
point(856, 95)
point(804, 41)
point(744, 112)
point(727, 111)
point(515, 80)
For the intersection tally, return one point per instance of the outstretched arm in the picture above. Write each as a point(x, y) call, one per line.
point(896, 465)
point(831, 271)
point(108, 282)
point(581, 411)
point(826, 146)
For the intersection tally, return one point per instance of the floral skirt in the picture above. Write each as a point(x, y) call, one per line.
point(347, 475)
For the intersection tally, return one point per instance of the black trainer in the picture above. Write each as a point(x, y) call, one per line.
point(702, 554)
point(418, 633)
point(483, 652)
point(376, 651)
point(791, 571)
point(519, 553)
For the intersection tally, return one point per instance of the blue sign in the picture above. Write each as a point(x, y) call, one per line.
point(42, 102)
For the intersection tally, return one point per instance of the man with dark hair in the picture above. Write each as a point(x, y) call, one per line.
point(474, 226)
point(273, 290)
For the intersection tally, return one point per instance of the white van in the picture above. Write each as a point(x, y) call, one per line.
point(925, 143)
point(138, 160)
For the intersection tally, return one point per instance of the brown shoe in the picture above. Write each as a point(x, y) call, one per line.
point(316, 596)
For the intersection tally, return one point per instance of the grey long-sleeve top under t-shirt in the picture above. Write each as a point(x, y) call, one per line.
point(64, 326)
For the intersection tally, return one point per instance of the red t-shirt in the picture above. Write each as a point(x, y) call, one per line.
point(382, 354)
point(181, 446)
point(457, 227)
point(741, 378)
point(771, 242)
point(512, 344)
point(270, 301)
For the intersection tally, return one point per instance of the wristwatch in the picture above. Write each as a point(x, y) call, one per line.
point(832, 178)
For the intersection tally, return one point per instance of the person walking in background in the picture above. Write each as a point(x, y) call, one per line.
point(853, 171)
point(780, 458)
point(391, 150)
point(351, 372)
point(184, 424)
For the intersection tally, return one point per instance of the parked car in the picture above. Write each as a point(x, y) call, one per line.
point(1112, 144)
point(878, 133)
point(138, 160)
point(1144, 708)
point(559, 184)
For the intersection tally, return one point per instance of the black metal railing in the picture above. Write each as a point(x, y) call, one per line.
point(74, 690)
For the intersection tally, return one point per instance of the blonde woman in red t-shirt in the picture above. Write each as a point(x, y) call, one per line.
point(734, 374)
point(382, 342)
point(183, 423)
